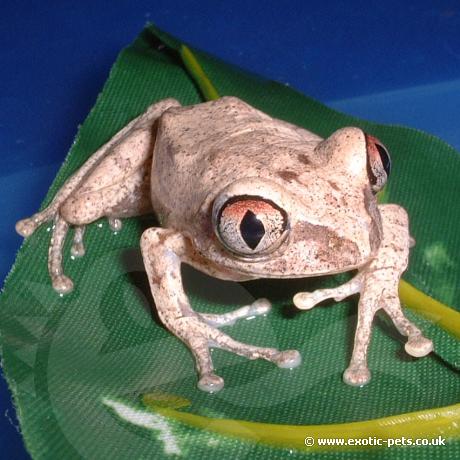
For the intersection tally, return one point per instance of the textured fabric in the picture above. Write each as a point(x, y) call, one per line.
point(75, 363)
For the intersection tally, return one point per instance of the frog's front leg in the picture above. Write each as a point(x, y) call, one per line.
point(163, 252)
point(377, 283)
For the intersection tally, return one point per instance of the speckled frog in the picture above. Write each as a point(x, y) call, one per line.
point(240, 196)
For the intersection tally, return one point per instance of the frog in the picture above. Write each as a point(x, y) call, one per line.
point(240, 195)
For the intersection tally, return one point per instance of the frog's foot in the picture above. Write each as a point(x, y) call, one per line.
point(78, 248)
point(417, 345)
point(201, 338)
point(115, 224)
point(307, 300)
point(257, 308)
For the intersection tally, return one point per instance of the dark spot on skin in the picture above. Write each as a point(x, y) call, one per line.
point(333, 185)
point(395, 247)
point(303, 159)
point(288, 175)
point(155, 278)
point(162, 237)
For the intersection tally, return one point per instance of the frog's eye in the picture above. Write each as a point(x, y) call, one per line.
point(378, 163)
point(251, 226)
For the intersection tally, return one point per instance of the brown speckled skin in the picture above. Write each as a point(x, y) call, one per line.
point(185, 163)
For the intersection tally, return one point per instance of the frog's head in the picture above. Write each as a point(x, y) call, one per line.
point(325, 222)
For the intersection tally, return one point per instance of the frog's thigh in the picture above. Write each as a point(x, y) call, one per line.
point(129, 195)
point(163, 252)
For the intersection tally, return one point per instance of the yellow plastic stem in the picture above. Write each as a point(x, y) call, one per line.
point(435, 311)
point(193, 66)
point(431, 423)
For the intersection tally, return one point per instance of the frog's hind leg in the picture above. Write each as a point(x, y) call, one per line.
point(112, 183)
point(26, 227)
point(163, 252)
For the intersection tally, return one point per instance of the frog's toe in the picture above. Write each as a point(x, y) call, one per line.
point(211, 383)
point(115, 224)
point(304, 300)
point(287, 359)
point(357, 376)
point(418, 346)
point(77, 249)
point(259, 307)
point(62, 284)
point(26, 227)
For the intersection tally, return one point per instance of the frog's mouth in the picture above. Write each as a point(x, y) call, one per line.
point(287, 262)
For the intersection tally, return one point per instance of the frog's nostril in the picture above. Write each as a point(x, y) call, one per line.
point(252, 229)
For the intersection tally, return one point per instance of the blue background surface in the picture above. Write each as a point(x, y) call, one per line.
point(388, 61)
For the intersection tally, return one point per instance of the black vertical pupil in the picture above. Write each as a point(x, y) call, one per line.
point(252, 229)
point(384, 158)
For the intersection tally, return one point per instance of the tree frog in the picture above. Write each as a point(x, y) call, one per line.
point(240, 196)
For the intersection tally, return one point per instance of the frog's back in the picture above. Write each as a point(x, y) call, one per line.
point(200, 149)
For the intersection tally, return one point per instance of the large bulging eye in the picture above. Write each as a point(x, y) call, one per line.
point(378, 163)
point(251, 226)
